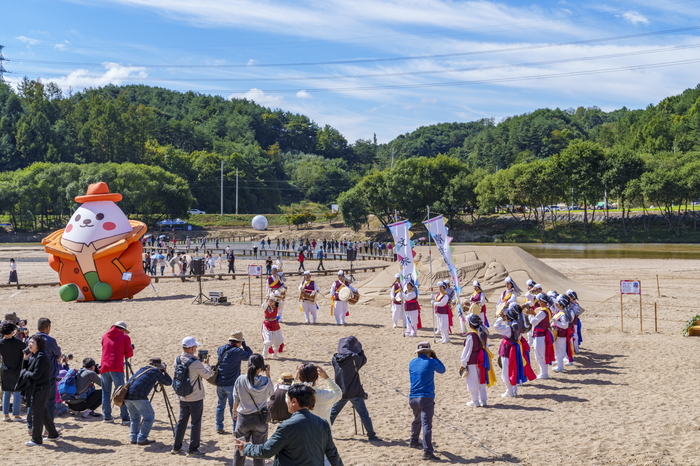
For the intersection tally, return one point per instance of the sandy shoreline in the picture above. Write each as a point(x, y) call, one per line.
point(626, 400)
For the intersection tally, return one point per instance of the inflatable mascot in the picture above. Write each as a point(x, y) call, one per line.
point(97, 246)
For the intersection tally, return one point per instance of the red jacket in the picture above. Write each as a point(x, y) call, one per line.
point(116, 345)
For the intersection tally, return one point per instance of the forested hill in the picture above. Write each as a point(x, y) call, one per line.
point(673, 124)
point(284, 157)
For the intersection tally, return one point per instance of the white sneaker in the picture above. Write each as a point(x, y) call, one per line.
point(394, 326)
point(558, 370)
point(471, 404)
point(569, 363)
point(274, 356)
point(483, 404)
point(507, 395)
point(86, 413)
point(542, 376)
point(31, 443)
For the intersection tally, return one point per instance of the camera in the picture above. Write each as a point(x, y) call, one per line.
point(68, 357)
point(97, 369)
point(203, 354)
point(26, 351)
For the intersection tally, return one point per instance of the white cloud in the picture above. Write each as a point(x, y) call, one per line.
point(114, 74)
point(635, 18)
point(251, 62)
point(28, 40)
point(304, 95)
point(60, 46)
point(259, 97)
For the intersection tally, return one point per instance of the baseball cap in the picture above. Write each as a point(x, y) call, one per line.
point(189, 342)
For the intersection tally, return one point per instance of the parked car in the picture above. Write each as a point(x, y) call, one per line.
point(196, 211)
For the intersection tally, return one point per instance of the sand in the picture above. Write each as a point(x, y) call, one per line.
point(629, 399)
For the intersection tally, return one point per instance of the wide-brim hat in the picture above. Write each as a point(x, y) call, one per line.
point(236, 336)
point(123, 326)
point(286, 377)
point(11, 317)
point(423, 347)
point(98, 192)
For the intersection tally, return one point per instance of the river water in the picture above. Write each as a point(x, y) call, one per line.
point(606, 251)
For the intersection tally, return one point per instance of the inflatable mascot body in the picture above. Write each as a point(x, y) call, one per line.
point(97, 246)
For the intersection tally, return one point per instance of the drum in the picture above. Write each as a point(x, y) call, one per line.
point(345, 294)
point(307, 296)
point(475, 309)
point(355, 298)
point(501, 307)
point(279, 293)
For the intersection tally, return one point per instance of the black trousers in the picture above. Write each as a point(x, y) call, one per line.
point(40, 414)
point(92, 402)
point(189, 409)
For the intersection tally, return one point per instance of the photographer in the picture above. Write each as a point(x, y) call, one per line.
point(421, 398)
point(229, 358)
point(325, 397)
point(250, 394)
point(136, 400)
point(88, 399)
point(22, 332)
point(191, 396)
point(116, 346)
point(347, 363)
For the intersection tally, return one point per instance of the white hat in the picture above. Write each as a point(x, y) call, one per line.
point(189, 342)
point(398, 275)
point(275, 266)
point(306, 272)
point(340, 272)
point(122, 325)
point(530, 282)
point(476, 283)
point(441, 284)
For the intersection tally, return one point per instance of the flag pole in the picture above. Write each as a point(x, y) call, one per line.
point(432, 294)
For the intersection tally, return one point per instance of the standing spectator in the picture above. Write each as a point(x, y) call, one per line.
point(421, 398)
point(37, 370)
point(255, 251)
point(87, 397)
point(347, 363)
point(231, 263)
point(320, 255)
point(277, 403)
point(325, 397)
point(191, 405)
point(188, 243)
point(262, 244)
point(53, 352)
point(116, 346)
point(229, 358)
point(278, 244)
point(250, 393)
point(228, 252)
point(301, 261)
point(294, 242)
point(12, 357)
point(136, 400)
point(268, 266)
point(173, 263)
point(13, 272)
point(216, 243)
point(161, 263)
point(268, 243)
point(303, 439)
point(279, 263)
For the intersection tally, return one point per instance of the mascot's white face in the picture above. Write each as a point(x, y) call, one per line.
point(95, 221)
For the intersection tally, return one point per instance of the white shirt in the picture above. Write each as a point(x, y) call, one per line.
point(503, 328)
point(410, 295)
point(442, 302)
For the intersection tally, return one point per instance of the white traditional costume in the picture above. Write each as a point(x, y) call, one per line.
point(442, 310)
point(340, 308)
point(397, 313)
point(307, 305)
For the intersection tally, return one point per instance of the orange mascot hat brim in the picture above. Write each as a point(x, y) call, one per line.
point(98, 192)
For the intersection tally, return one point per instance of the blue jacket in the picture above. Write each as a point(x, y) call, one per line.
point(142, 385)
point(422, 369)
point(302, 440)
point(229, 360)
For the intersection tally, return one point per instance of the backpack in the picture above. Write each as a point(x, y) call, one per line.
point(181, 378)
point(67, 387)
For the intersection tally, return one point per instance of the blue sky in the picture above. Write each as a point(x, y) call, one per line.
point(367, 66)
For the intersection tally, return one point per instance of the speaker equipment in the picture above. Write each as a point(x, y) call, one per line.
point(198, 266)
point(352, 254)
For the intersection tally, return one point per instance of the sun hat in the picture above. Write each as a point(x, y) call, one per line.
point(423, 347)
point(236, 336)
point(122, 325)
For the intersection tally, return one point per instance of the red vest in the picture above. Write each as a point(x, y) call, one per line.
point(309, 287)
point(541, 329)
point(271, 279)
point(476, 347)
point(271, 313)
point(338, 284)
point(396, 288)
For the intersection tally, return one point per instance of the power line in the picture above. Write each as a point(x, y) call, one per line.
point(408, 73)
point(389, 59)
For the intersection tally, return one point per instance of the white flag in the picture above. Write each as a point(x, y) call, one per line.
point(438, 231)
point(403, 250)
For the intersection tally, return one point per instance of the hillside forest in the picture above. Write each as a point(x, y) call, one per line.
point(168, 150)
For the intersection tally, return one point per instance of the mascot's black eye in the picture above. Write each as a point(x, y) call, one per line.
point(100, 216)
point(77, 218)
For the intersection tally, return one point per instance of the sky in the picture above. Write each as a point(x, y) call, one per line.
point(366, 67)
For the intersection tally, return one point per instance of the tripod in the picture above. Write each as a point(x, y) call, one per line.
point(128, 370)
point(200, 297)
point(168, 407)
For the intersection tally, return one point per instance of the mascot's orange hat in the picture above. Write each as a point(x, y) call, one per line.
point(98, 192)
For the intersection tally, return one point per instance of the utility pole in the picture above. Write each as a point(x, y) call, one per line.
point(222, 187)
point(2, 68)
point(236, 190)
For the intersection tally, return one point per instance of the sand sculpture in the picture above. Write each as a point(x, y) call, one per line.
point(490, 265)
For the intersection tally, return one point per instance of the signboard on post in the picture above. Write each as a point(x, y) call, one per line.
point(630, 287)
point(255, 270)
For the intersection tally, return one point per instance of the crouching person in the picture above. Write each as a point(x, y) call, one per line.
point(88, 399)
point(136, 400)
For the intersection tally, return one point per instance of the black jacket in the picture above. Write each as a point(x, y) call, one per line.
point(37, 371)
point(347, 367)
point(12, 357)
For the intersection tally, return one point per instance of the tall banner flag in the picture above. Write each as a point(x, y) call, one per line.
point(438, 231)
point(404, 252)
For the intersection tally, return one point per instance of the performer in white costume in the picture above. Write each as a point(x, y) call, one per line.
point(396, 302)
point(340, 308)
point(308, 302)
